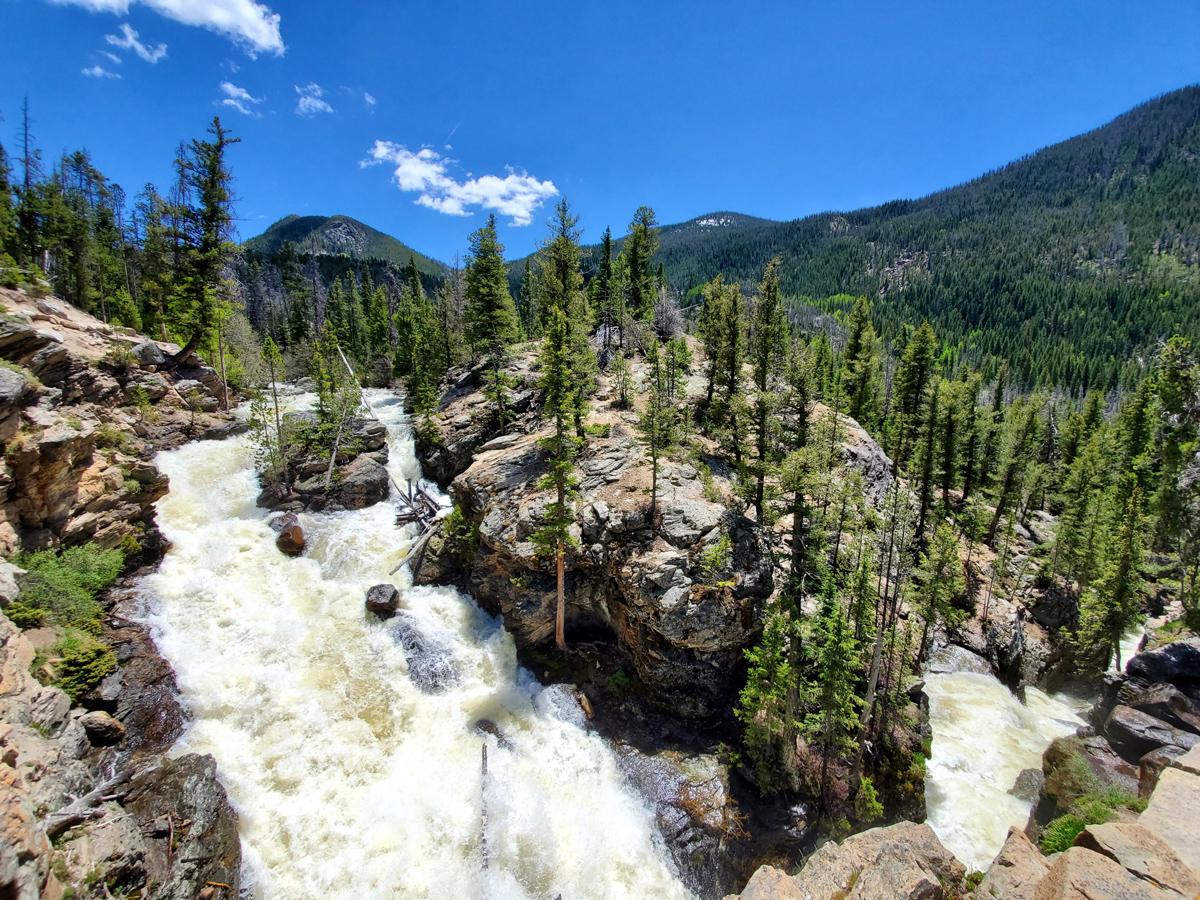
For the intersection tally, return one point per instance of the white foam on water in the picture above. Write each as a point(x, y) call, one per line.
point(349, 781)
point(983, 737)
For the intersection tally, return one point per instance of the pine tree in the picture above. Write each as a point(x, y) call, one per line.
point(861, 367)
point(1112, 607)
point(639, 250)
point(560, 286)
point(939, 584)
point(711, 327)
point(992, 429)
point(562, 447)
point(1020, 441)
point(211, 222)
point(834, 721)
point(768, 348)
point(927, 457)
point(602, 296)
point(657, 425)
point(914, 374)
point(527, 306)
point(1177, 384)
point(763, 704)
point(491, 316)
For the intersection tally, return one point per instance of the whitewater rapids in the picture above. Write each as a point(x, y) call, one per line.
point(983, 737)
point(347, 779)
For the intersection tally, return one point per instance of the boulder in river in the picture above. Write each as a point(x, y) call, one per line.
point(383, 600)
point(290, 539)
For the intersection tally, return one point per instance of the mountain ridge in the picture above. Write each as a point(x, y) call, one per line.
point(340, 235)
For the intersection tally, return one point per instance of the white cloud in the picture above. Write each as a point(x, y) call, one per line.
point(128, 40)
point(310, 100)
point(240, 99)
point(111, 57)
point(369, 99)
point(251, 24)
point(425, 172)
point(99, 72)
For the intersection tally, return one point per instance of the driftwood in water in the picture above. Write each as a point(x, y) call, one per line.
point(483, 851)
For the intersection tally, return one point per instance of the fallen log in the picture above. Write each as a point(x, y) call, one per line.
point(86, 807)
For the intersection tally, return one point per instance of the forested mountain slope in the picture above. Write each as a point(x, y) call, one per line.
point(339, 236)
point(1067, 262)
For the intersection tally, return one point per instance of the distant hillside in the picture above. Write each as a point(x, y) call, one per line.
point(1066, 262)
point(339, 236)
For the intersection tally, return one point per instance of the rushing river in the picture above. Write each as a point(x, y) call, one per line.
point(349, 780)
point(982, 738)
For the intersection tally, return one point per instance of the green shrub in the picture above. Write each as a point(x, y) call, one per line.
point(867, 806)
point(1093, 808)
point(1061, 833)
point(973, 880)
point(110, 437)
point(715, 560)
point(82, 663)
point(61, 588)
point(120, 359)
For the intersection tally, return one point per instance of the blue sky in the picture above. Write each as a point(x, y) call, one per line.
point(417, 117)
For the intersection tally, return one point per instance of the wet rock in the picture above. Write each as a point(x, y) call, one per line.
point(431, 663)
point(1134, 733)
point(1143, 853)
point(185, 792)
point(561, 701)
point(383, 600)
point(290, 538)
point(101, 728)
point(694, 810)
point(1028, 785)
point(953, 658)
point(1015, 871)
point(487, 726)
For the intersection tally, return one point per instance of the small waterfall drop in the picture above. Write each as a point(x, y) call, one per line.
point(983, 737)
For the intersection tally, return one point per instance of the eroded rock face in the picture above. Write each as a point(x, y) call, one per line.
point(51, 754)
point(81, 425)
point(681, 618)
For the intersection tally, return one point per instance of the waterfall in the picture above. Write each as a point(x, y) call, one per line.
point(349, 779)
point(983, 737)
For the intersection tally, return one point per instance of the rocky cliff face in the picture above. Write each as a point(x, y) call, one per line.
point(1154, 857)
point(90, 804)
point(678, 620)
